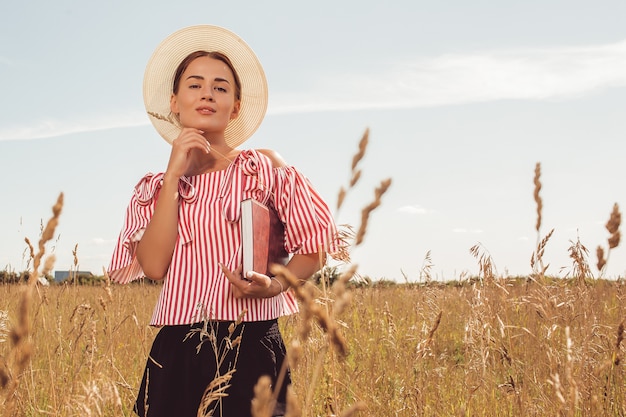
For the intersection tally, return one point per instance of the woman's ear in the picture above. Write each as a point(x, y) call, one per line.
point(235, 112)
point(174, 104)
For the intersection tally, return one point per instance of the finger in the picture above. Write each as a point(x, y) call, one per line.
point(200, 140)
point(260, 279)
point(240, 287)
point(191, 138)
point(235, 279)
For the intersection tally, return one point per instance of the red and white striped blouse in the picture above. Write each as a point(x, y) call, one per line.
point(209, 232)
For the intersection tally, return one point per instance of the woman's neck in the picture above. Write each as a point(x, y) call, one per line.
point(218, 158)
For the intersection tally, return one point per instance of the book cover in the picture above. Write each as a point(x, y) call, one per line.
point(262, 237)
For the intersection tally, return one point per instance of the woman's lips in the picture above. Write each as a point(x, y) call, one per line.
point(205, 110)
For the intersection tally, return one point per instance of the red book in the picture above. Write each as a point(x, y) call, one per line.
point(262, 237)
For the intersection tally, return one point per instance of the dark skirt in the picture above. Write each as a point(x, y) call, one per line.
point(180, 368)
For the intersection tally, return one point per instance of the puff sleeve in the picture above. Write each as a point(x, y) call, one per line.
point(309, 224)
point(124, 267)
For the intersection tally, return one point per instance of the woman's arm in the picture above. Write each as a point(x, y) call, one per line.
point(304, 266)
point(154, 251)
point(261, 286)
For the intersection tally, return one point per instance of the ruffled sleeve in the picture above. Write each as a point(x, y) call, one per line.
point(124, 267)
point(309, 224)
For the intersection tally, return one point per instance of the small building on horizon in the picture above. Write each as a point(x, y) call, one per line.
point(60, 276)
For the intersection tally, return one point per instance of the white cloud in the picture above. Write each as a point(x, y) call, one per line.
point(415, 209)
point(448, 79)
point(521, 74)
point(54, 127)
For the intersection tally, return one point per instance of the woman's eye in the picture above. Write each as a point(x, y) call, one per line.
point(194, 86)
point(220, 89)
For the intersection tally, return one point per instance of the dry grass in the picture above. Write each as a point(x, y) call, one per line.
point(411, 350)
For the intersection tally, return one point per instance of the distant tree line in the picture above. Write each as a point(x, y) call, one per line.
point(7, 277)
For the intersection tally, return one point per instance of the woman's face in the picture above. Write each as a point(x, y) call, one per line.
point(206, 96)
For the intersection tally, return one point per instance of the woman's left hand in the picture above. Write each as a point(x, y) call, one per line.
point(254, 286)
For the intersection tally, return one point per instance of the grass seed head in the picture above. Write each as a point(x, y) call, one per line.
point(263, 403)
point(614, 240)
point(367, 210)
point(537, 182)
point(362, 148)
point(601, 259)
point(614, 221)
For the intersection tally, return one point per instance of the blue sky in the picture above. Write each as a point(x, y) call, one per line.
point(462, 99)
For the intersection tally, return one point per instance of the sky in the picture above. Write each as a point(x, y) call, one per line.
point(461, 99)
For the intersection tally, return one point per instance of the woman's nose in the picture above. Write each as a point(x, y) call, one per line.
point(207, 94)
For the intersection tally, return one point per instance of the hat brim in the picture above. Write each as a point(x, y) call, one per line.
point(159, 78)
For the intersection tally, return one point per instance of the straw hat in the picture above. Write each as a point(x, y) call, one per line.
point(159, 78)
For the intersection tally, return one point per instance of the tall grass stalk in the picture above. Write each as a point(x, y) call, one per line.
point(20, 334)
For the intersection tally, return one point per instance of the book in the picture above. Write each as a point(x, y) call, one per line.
point(261, 236)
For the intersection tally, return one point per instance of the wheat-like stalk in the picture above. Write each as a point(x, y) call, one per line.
point(5, 375)
point(537, 182)
point(31, 250)
point(614, 222)
point(536, 260)
point(216, 389)
point(569, 368)
point(427, 265)
point(4, 320)
point(367, 210)
point(601, 259)
point(343, 241)
point(214, 392)
point(618, 342)
point(612, 226)
point(566, 391)
point(355, 174)
point(423, 347)
point(313, 310)
point(161, 117)
point(22, 345)
point(580, 267)
point(263, 402)
point(486, 266)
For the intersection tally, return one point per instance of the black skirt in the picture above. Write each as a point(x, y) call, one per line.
point(185, 359)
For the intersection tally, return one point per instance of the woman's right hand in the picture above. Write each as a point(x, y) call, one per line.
point(188, 140)
point(155, 249)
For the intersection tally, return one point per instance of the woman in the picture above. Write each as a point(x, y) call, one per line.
point(206, 93)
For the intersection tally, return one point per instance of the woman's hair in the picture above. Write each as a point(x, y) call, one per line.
point(215, 55)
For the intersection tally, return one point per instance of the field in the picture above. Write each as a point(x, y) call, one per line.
point(482, 346)
point(492, 348)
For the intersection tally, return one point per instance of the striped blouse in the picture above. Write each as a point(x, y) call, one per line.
point(209, 232)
